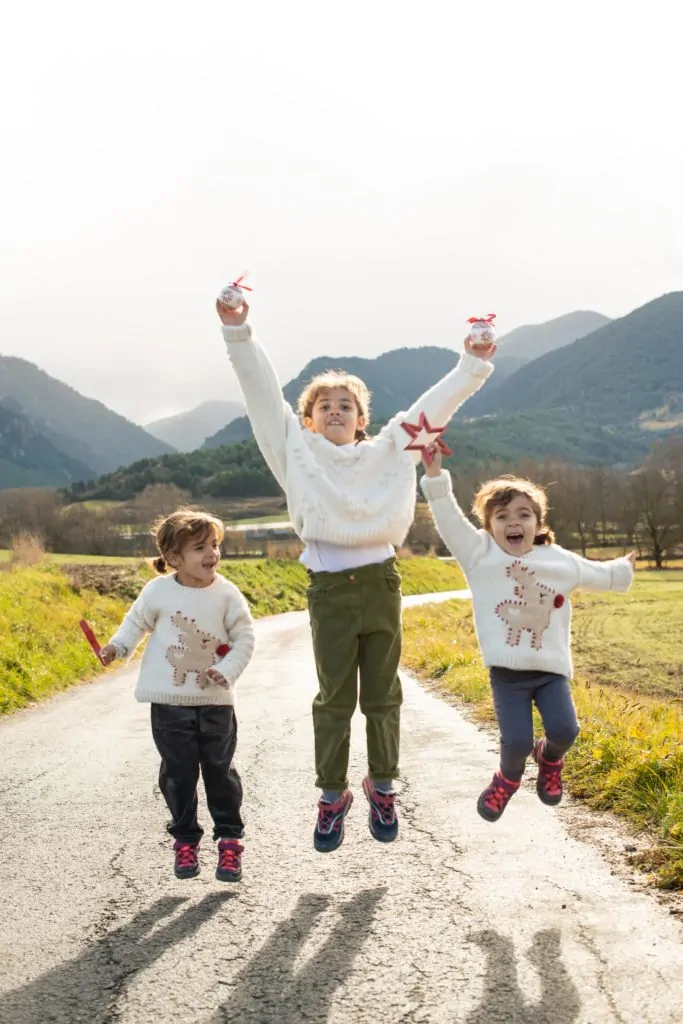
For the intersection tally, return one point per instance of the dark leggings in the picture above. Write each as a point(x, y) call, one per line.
point(514, 693)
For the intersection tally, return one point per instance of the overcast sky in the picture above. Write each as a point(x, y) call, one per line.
point(383, 170)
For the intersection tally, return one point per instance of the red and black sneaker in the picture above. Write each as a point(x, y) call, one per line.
point(186, 860)
point(496, 797)
point(549, 781)
point(382, 819)
point(229, 867)
point(328, 834)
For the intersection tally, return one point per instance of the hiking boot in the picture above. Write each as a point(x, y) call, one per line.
point(186, 861)
point(229, 867)
point(329, 829)
point(495, 797)
point(549, 781)
point(382, 820)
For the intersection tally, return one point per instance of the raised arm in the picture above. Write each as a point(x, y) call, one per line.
point(435, 407)
point(462, 539)
point(270, 415)
point(616, 574)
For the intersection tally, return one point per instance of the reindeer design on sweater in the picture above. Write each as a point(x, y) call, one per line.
point(196, 652)
point(531, 611)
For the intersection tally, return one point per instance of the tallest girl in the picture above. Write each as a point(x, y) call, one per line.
point(351, 500)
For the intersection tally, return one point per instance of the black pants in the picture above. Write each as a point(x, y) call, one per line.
point(193, 738)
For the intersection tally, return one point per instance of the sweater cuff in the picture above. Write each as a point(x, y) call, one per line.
point(241, 333)
point(622, 575)
point(474, 366)
point(437, 486)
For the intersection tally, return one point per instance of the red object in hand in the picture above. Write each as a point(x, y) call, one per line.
point(559, 600)
point(422, 434)
point(223, 649)
point(92, 640)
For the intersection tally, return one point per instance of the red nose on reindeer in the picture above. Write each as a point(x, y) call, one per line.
point(223, 649)
point(559, 600)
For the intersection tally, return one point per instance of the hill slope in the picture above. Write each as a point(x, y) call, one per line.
point(28, 458)
point(83, 428)
point(535, 340)
point(626, 373)
point(189, 430)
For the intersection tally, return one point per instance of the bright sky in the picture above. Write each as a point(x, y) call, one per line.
point(382, 169)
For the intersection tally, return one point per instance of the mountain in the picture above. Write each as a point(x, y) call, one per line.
point(395, 380)
point(626, 375)
point(82, 428)
point(189, 430)
point(398, 377)
point(524, 344)
point(28, 458)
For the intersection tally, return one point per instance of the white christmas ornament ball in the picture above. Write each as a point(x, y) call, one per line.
point(482, 334)
point(232, 296)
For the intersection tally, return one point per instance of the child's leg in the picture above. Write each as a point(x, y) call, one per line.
point(175, 733)
point(554, 701)
point(217, 743)
point(380, 686)
point(335, 623)
point(512, 696)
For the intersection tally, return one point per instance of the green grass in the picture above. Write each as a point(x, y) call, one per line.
point(59, 559)
point(629, 756)
point(43, 651)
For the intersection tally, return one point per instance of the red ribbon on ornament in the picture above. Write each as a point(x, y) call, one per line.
point(482, 319)
point(244, 287)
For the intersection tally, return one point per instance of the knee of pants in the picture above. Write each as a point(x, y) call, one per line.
point(518, 746)
point(565, 736)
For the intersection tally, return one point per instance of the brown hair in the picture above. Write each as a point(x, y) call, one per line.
point(495, 494)
point(336, 379)
point(173, 533)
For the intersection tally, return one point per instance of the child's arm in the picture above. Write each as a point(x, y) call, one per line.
point(139, 620)
point(270, 415)
point(616, 574)
point(240, 628)
point(439, 404)
point(462, 539)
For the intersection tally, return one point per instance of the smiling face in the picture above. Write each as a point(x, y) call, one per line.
point(514, 525)
point(335, 415)
point(198, 560)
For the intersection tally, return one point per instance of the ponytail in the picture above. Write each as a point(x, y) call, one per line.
point(160, 564)
point(544, 536)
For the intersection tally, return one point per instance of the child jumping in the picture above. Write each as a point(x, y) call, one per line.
point(202, 639)
point(520, 582)
point(351, 500)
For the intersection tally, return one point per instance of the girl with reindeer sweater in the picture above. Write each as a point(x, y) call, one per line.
point(520, 582)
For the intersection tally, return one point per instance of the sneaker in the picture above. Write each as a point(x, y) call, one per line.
point(229, 860)
point(382, 819)
point(496, 797)
point(186, 860)
point(329, 829)
point(549, 781)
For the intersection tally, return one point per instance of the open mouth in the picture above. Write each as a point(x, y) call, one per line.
point(514, 538)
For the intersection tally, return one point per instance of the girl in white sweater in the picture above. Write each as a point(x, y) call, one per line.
point(351, 500)
point(201, 640)
point(520, 582)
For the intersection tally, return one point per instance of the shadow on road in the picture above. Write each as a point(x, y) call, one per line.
point(503, 1001)
point(269, 989)
point(86, 989)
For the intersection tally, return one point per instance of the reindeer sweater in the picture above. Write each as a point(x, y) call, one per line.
point(521, 604)
point(358, 495)
point(192, 629)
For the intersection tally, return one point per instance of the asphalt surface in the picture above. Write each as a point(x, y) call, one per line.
point(457, 922)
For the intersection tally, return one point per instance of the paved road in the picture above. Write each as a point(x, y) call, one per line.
point(458, 922)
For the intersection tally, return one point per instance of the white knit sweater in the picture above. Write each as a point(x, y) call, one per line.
point(522, 612)
point(352, 496)
point(191, 629)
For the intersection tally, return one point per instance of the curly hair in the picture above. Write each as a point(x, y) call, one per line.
point(495, 494)
point(173, 533)
point(336, 379)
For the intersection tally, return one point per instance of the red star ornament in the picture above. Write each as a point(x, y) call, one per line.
point(422, 434)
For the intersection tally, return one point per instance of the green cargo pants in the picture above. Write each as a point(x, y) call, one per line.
point(356, 626)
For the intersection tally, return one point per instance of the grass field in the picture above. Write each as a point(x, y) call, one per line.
point(42, 649)
point(628, 691)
